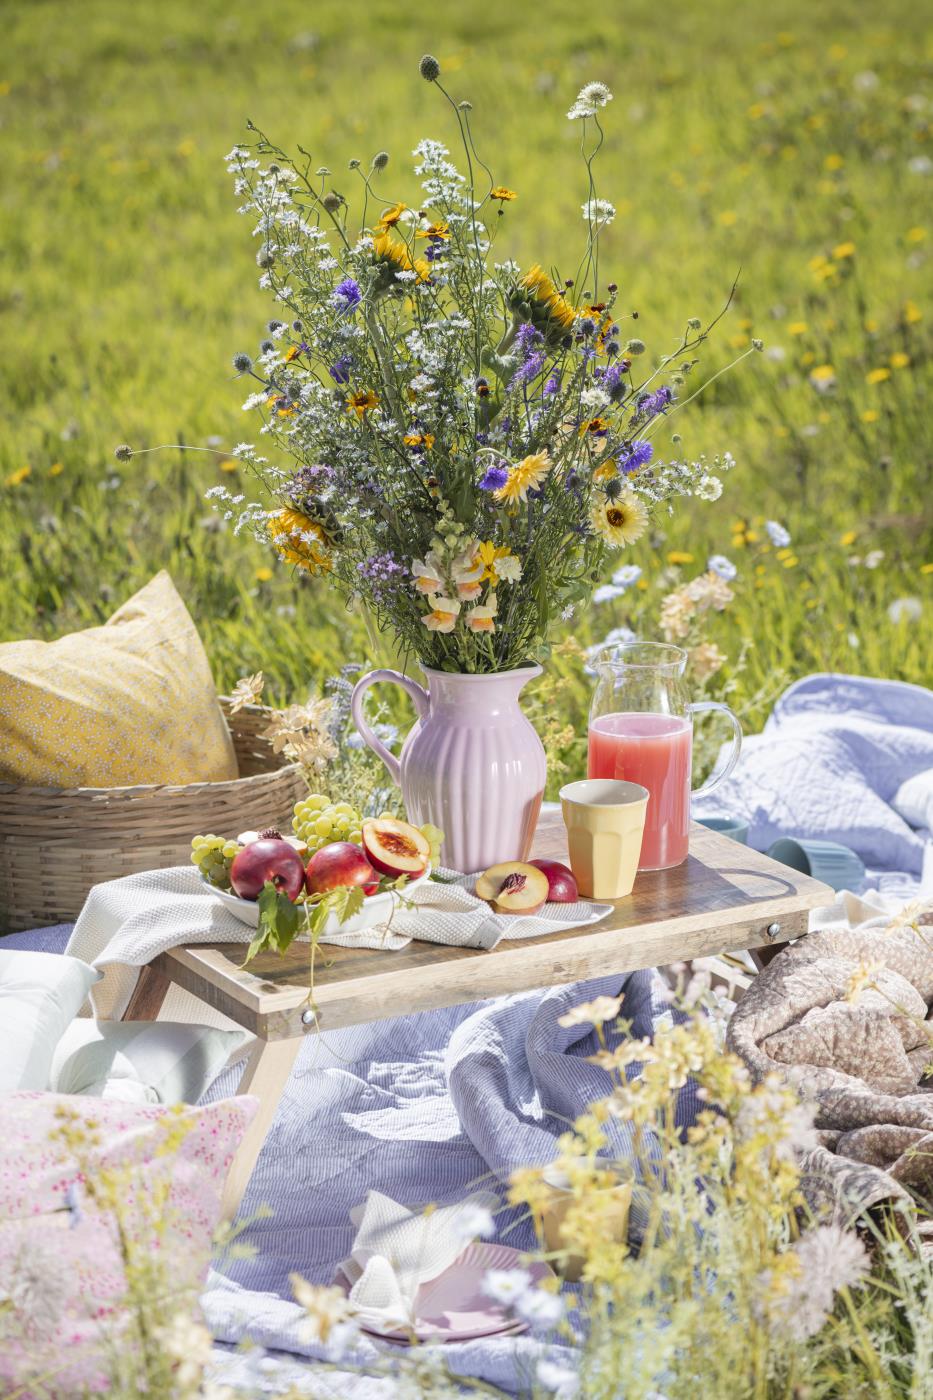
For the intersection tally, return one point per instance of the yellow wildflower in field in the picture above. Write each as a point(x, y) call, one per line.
point(916, 235)
point(823, 375)
point(870, 415)
point(606, 472)
point(912, 313)
point(848, 538)
point(790, 563)
point(502, 193)
point(899, 360)
point(844, 250)
point(728, 217)
point(677, 556)
point(19, 476)
point(877, 376)
point(554, 314)
point(263, 575)
point(228, 465)
point(834, 161)
point(926, 568)
point(798, 328)
point(55, 469)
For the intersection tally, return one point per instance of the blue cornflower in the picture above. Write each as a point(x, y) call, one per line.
point(346, 295)
point(637, 454)
point(650, 405)
point(719, 564)
point(494, 479)
point(552, 385)
point(339, 371)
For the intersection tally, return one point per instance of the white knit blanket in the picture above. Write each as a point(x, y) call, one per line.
point(126, 923)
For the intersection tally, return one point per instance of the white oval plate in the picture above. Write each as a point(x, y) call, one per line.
point(377, 908)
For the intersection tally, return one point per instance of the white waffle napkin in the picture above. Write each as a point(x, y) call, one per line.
point(397, 1249)
point(126, 923)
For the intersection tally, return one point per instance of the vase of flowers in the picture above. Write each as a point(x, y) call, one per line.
point(472, 765)
point(467, 440)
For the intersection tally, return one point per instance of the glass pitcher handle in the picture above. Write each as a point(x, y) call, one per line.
point(418, 694)
point(703, 707)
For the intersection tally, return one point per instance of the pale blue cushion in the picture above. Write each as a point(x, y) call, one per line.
point(40, 995)
point(142, 1061)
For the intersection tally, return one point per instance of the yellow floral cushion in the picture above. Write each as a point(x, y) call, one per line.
point(130, 702)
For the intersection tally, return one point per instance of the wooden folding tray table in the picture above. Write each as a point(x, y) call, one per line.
point(724, 897)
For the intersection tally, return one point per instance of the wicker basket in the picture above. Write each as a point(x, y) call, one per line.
point(55, 843)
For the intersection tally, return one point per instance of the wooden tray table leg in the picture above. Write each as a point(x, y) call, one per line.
point(265, 1074)
point(148, 995)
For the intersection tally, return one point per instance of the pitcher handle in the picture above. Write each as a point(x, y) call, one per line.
point(702, 707)
point(418, 694)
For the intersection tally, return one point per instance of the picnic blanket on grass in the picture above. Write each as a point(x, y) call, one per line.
point(844, 1014)
point(833, 763)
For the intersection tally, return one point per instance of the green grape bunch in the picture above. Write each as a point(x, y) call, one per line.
point(318, 821)
point(213, 856)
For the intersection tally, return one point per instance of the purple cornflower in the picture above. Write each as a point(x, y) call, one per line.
point(650, 405)
point(347, 295)
point(339, 371)
point(494, 479)
point(636, 455)
point(552, 385)
point(531, 368)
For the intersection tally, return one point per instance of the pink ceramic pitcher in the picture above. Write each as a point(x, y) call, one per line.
point(472, 765)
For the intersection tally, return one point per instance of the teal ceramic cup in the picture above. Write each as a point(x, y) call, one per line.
point(733, 827)
point(835, 865)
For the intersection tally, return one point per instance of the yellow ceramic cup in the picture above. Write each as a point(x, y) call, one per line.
point(612, 1201)
point(605, 821)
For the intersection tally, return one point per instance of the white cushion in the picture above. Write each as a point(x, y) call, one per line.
point(141, 1061)
point(914, 801)
point(40, 995)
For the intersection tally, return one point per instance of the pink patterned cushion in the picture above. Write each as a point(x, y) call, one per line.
point(60, 1260)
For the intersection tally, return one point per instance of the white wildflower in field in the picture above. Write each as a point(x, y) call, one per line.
point(627, 575)
point(607, 593)
point(598, 211)
point(589, 100)
point(777, 534)
point(905, 610)
point(799, 1298)
point(719, 564)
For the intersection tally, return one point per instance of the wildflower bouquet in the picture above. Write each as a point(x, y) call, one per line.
point(469, 439)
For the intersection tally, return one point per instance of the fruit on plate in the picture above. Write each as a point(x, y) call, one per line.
point(213, 856)
point(246, 838)
point(513, 887)
point(340, 863)
point(271, 859)
point(395, 848)
point(318, 821)
point(562, 887)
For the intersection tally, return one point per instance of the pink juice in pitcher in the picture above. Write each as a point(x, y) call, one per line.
point(656, 751)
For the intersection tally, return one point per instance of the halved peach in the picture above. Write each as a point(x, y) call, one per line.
point(394, 847)
point(514, 887)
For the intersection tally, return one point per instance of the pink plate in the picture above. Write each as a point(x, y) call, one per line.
point(453, 1306)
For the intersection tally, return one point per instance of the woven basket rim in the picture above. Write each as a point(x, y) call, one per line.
point(167, 788)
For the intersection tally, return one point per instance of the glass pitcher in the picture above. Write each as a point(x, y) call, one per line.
point(641, 730)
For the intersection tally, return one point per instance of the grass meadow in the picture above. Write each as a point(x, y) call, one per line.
point(789, 144)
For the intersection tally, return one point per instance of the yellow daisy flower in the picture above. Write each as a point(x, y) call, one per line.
point(19, 476)
point(299, 540)
point(389, 251)
point(606, 472)
point(500, 192)
point(390, 217)
point(678, 556)
point(619, 522)
point(899, 360)
point(425, 440)
point(844, 250)
point(438, 230)
point(292, 353)
point(877, 376)
point(363, 401)
point(523, 477)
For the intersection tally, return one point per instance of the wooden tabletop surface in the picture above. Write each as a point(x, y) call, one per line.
point(723, 897)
